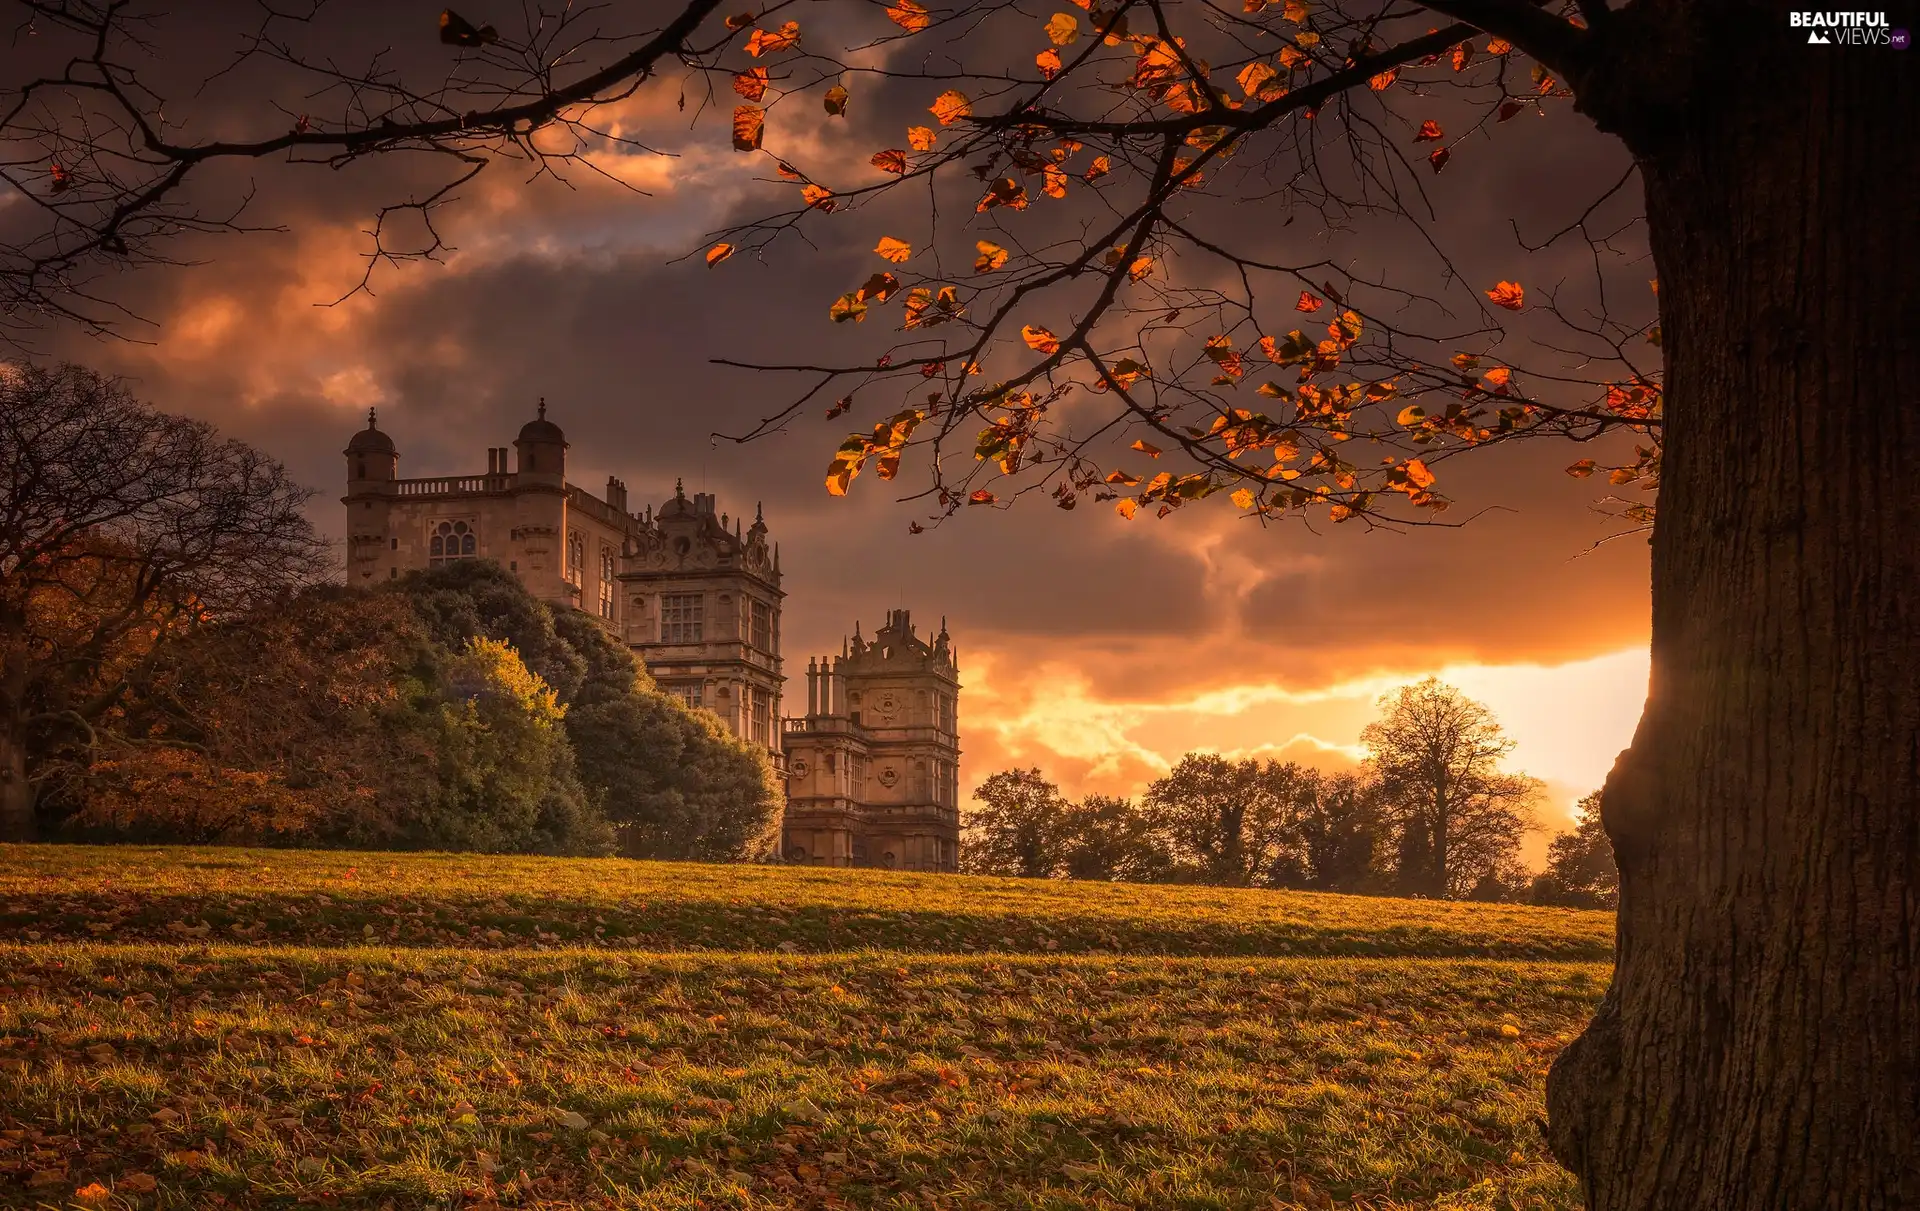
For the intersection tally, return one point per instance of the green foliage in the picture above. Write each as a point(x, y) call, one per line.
point(504, 779)
point(477, 598)
point(674, 780)
point(1230, 823)
point(1109, 840)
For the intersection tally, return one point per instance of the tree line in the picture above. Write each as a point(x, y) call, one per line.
point(173, 667)
point(1429, 813)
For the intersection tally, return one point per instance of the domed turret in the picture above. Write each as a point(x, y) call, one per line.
point(371, 456)
point(542, 448)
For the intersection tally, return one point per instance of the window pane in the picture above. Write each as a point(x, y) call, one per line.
point(466, 544)
point(436, 548)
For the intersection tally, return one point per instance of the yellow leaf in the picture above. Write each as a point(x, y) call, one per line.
point(1243, 498)
point(921, 138)
point(950, 106)
point(1063, 29)
point(1410, 415)
point(836, 101)
point(1125, 507)
point(991, 257)
point(890, 249)
point(749, 121)
point(1039, 339)
point(849, 306)
point(1148, 450)
point(1256, 76)
point(718, 253)
point(908, 15)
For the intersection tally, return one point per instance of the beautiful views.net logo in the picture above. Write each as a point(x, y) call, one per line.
point(1848, 29)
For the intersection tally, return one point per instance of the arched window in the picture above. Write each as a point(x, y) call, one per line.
point(606, 582)
point(451, 540)
point(576, 558)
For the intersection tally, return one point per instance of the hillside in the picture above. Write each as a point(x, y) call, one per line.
point(370, 1030)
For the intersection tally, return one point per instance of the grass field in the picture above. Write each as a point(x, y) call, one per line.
point(194, 1028)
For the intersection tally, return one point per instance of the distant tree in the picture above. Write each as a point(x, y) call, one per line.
point(1111, 840)
point(1436, 755)
point(1341, 830)
point(1580, 868)
point(1230, 823)
point(122, 530)
point(1019, 829)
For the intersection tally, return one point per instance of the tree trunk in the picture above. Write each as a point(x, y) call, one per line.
point(16, 793)
point(1760, 1045)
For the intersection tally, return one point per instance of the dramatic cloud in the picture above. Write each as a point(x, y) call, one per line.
point(1097, 649)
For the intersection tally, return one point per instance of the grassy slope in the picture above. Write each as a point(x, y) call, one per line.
point(532, 1071)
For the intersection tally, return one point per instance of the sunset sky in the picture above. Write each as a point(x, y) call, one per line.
point(1095, 648)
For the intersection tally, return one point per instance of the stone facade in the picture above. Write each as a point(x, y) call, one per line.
point(872, 767)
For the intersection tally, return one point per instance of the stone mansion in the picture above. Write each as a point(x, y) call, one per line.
point(871, 768)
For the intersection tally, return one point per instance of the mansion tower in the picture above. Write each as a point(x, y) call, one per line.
point(699, 601)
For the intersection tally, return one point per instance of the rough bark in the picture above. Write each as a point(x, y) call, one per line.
point(1760, 1044)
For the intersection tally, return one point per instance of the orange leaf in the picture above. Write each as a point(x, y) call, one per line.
point(1101, 166)
point(749, 122)
point(921, 138)
point(1063, 29)
point(1499, 375)
point(891, 160)
point(1144, 448)
point(1039, 339)
point(1499, 46)
point(950, 106)
point(1510, 295)
point(1439, 158)
point(768, 42)
point(1581, 469)
point(739, 21)
point(751, 84)
point(1384, 80)
point(1428, 130)
point(980, 496)
point(1462, 55)
point(836, 101)
point(817, 197)
point(1049, 63)
point(1123, 479)
point(1418, 475)
point(1053, 181)
point(718, 253)
point(890, 249)
point(1309, 303)
point(908, 15)
point(991, 257)
point(1125, 507)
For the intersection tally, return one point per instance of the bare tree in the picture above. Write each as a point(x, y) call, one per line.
point(1437, 755)
point(121, 529)
point(1757, 1046)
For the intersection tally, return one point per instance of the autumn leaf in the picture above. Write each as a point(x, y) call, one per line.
point(1063, 29)
point(1462, 55)
point(1510, 295)
point(1499, 46)
point(1256, 76)
point(1053, 181)
point(892, 160)
point(1510, 108)
point(1308, 303)
point(1428, 130)
point(1243, 498)
point(1295, 11)
point(1151, 451)
point(849, 306)
point(1100, 167)
point(1123, 479)
point(765, 42)
point(1412, 414)
point(1581, 469)
point(1498, 376)
point(890, 249)
point(739, 21)
point(949, 107)
point(1125, 507)
point(751, 84)
point(980, 496)
point(921, 138)
point(718, 253)
point(456, 30)
point(1039, 339)
point(836, 101)
point(991, 257)
point(908, 15)
point(1049, 63)
point(1382, 82)
point(749, 123)
point(1417, 474)
point(817, 197)
point(1439, 158)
